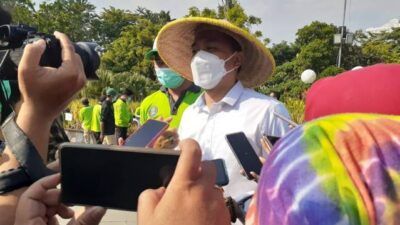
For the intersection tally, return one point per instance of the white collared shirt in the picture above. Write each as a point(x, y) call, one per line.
point(241, 109)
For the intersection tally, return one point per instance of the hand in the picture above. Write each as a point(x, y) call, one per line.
point(40, 204)
point(191, 197)
point(255, 176)
point(46, 91)
point(101, 138)
point(167, 140)
point(121, 141)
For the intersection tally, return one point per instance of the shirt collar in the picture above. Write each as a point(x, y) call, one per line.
point(192, 88)
point(230, 98)
point(234, 94)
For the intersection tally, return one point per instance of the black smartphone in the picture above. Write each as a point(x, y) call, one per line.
point(272, 139)
point(222, 176)
point(244, 153)
point(146, 134)
point(112, 176)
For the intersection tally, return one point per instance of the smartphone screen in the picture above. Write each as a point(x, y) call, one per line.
point(146, 134)
point(222, 176)
point(244, 153)
point(112, 177)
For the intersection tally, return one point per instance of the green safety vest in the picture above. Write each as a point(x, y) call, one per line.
point(159, 104)
point(95, 126)
point(85, 116)
point(122, 115)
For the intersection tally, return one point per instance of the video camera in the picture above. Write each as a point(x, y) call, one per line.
point(13, 39)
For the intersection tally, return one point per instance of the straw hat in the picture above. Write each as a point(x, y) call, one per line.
point(174, 44)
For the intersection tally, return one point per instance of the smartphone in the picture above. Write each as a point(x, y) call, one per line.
point(112, 176)
point(146, 134)
point(244, 153)
point(222, 176)
point(272, 139)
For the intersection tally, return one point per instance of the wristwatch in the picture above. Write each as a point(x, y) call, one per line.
point(31, 166)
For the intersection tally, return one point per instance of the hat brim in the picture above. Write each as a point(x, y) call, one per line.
point(150, 55)
point(175, 40)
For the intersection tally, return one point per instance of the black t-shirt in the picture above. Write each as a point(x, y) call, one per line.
point(107, 117)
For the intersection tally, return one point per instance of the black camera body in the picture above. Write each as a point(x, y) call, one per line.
point(13, 39)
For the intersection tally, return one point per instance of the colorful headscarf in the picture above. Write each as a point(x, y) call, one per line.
point(342, 170)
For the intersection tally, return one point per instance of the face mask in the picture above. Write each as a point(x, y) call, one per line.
point(208, 69)
point(168, 78)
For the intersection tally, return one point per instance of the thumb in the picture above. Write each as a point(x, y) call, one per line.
point(32, 55)
point(188, 167)
point(91, 216)
point(148, 201)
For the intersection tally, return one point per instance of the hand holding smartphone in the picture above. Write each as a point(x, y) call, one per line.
point(147, 134)
point(244, 153)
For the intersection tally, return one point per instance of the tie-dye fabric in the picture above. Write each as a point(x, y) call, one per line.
point(338, 170)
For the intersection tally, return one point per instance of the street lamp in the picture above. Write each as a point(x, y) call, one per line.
point(308, 76)
point(344, 37)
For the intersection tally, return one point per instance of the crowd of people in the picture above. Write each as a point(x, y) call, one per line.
point(340, 167)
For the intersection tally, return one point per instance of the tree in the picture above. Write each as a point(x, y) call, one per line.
point(234, 13)
point(109, 24)
point(21, 10)
point(315, 31)
point(317, 55)
point(73, 17)
point(284, 52)
point(331, 71)
point(127, 52)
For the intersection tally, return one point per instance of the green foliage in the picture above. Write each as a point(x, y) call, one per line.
point(284, 52)
point(234, 13)
point(296, 109)
point(73, 17)
point(127, 52)
point(109, 24)
point(315, 31)
point(317, 55)
point(331, 71)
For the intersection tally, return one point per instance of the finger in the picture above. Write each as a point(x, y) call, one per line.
point(262, 159)
point(67, 49)
point(148, 201)
point(55, 166)
point(265, 145)
point(65, 212)
point(32, 54)
point(91, 215)
point(168, 120)
point(189, 161)
point(255, 176)
point(208, 174)
point(52, 197)
point(242, 172)
point(39, 188)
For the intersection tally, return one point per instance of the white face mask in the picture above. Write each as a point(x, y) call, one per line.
point(208, 69)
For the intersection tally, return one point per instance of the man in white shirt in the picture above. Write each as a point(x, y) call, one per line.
point(226, 62)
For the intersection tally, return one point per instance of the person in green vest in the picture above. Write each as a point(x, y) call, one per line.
point(95, 125)
point(85, 117)
point(122, 115)
point(175, 95)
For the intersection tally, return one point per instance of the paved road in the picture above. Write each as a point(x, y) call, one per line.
point(112, 217)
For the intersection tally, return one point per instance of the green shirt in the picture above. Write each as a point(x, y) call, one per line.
point(160, 104)
point(122, 115)
point(95, 126)
point(85, 116)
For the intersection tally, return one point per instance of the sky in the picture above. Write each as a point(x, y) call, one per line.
point(281, 18)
